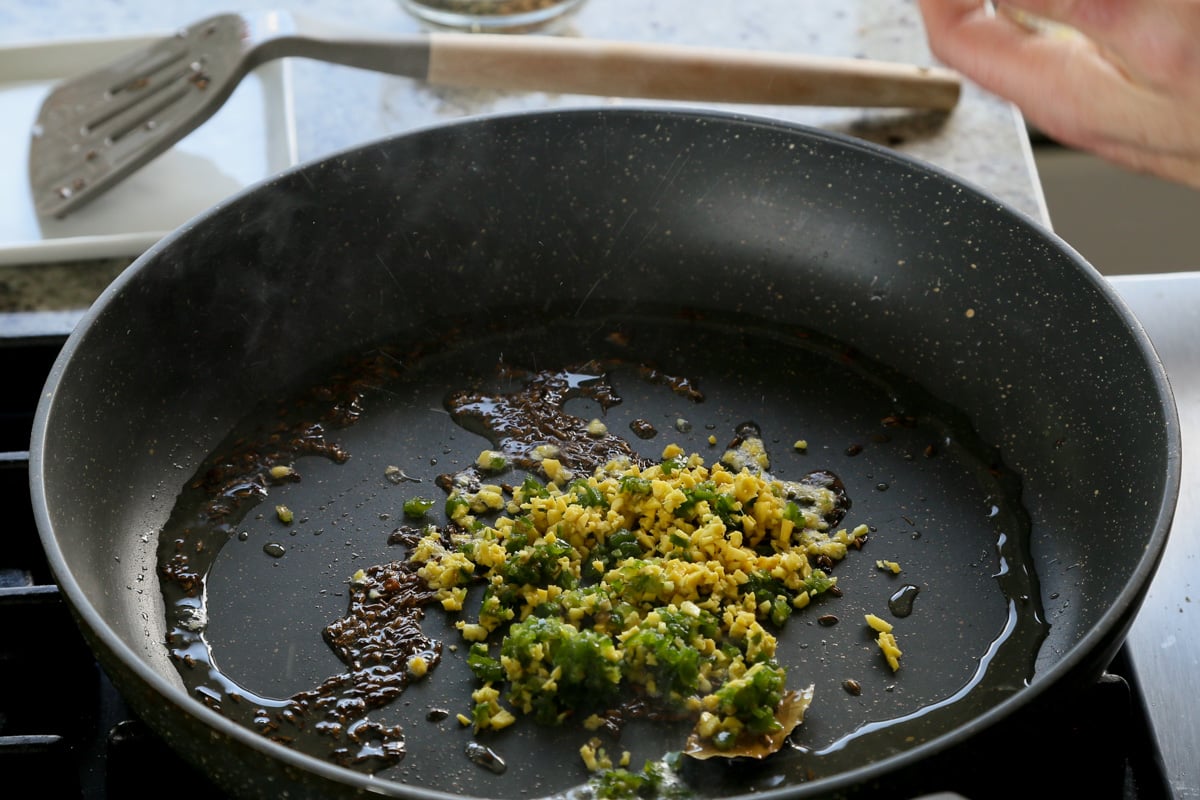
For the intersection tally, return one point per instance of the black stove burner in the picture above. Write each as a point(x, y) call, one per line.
point(65, 730)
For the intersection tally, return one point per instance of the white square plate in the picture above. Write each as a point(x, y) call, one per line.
point(250, 138)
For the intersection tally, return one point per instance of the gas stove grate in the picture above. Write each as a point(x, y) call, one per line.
point(63, 727)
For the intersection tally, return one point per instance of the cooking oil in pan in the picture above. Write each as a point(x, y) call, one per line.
point(902, 601)
point(331, 645)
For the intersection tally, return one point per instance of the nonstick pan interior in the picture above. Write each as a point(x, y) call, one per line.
point(729, 235)
point(939, 501)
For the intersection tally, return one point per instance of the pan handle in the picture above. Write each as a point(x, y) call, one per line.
point(679, 72)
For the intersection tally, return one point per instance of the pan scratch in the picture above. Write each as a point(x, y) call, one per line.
point(621, 230)
point(699, 199)
point(681, 160)
point(388, 269)
point(649, 231)
point(671, 175)
point(385, 391)
point(588, 293)
point(624, 225)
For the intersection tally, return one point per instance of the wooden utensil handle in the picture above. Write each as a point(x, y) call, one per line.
point(677, 72)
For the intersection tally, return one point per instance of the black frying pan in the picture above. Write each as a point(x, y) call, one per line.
point(994, 412)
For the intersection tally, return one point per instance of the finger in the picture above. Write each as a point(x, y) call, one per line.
point(1069, 88)
point(1005, 57)
point(1155, 42)
point(1063, 85)
point(1103, 20)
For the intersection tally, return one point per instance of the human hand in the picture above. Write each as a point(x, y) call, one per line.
point(1122, 80)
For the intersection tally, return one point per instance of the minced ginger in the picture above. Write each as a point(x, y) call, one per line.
point(668, 578)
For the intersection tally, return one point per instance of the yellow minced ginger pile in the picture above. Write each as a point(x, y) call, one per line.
point(665, 581)
point(886, 640)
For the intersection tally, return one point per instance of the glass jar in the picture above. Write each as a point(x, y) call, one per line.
point(492, 16)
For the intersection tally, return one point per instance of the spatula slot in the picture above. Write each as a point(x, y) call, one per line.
point(143, 74)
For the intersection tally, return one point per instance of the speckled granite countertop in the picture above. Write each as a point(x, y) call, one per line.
point(983, 140)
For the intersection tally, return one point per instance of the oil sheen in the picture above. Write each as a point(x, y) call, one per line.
point(316, 632)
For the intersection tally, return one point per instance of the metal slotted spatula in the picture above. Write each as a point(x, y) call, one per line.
point(95, 129)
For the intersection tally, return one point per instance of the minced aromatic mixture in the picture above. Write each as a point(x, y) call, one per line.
point(664, 581)
point(588, 584)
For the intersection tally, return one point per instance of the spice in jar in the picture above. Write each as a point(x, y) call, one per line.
point(511, 16)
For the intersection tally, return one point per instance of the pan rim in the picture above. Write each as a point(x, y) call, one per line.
point(1123, 608)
